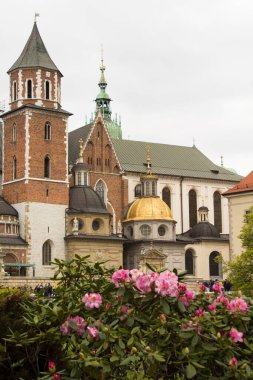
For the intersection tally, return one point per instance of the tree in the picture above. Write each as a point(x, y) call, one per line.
point(240, 269)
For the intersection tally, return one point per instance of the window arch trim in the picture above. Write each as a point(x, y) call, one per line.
point(47, 253)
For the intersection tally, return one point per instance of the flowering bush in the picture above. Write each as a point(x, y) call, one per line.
point(129, 325)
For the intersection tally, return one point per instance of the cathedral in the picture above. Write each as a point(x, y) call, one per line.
point(91, 192)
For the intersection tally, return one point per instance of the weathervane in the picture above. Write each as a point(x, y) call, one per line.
point(35, 16)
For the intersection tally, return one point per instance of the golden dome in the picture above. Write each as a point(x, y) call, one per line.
point(149, 208)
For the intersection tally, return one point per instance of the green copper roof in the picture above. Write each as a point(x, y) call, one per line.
point(102, 95)
point(114, 129)
point(34, 54)
point(171, 160)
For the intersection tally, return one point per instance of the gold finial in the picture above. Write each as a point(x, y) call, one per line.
point(35, 16)
point(102, 67)
point(80, 148)
point(148, 159)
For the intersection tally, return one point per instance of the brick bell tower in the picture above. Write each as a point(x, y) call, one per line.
point(35, 146)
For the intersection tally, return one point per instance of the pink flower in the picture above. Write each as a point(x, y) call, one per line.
point(135, 273)
point(167, 284)
point(93, 333)
point(145, 282)
point(73, 324)
point(212, 307)
point(238, 305)
point(187, 297)
point(123, 311)
point(199, 313)
point(217, 288)
point(92, 300)
point(57, 376)
point(120, 277)
point(236, 336)
point(108, 306)
point(64, 328)
point(182, 288)
point(222, 299)
point(233, 362)
point(202, 288)
point(51, 367)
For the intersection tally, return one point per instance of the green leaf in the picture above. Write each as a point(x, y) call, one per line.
point(114, 358)
point(165, 306)
point(195, 340)
point(181, 307)
point(158, 357)
point(126, 361)
point(121, 344)
point(190, 371)
point(130, 341)
point(135, 330)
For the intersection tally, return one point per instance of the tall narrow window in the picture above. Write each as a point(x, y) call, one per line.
point(14, 133)
point(147, 189)
point(47, 167)
point(46, 253)
point(189, 262)
point(153, 188)
point(100, 189)
point(166, 196)
point(214, 265)
point(47, 90)
point(29, 89)
point(217, 211)
point(47, 131)
point(137, 191)
point(15, 90)
point(14, 167)
point(79, 179)
point(192, 208)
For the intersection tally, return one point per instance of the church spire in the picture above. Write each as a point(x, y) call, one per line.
point(103, 100)
point(34, 53)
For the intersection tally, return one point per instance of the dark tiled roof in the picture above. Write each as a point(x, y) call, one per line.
point(74, 137)
point(244, 186)
point(38, 108)
point(6, 208)
point(34, 54)
point(171, 160)
point(85, 199)
point(202, 231)
point(12, 241)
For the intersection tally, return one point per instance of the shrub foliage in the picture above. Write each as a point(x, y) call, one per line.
point(125, 325)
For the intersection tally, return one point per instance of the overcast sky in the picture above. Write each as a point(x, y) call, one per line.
point(178, 71)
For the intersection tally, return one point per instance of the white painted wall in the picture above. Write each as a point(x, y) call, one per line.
point(38, 223)
point(204, 189)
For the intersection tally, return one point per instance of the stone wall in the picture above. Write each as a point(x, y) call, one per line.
point(17, 282)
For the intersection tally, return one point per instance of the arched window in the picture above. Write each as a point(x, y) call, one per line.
point(90, 153)
point(14, 133)
point(46, 253)
point(166, 196)
point(116, 169)
point(189, 262)
point(14, 97)
point(217, 211)
point(137, 191)
point(107, 158)
point(147, 189)
point(153, 188)
point(100, 189)
point(14, 167)
point(29, 89)
point(192, 208)
point(47, 167)
point(214, 266)
point(47, 90)
point(47, 131)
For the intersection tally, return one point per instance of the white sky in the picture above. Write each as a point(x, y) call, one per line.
point(177, 70)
